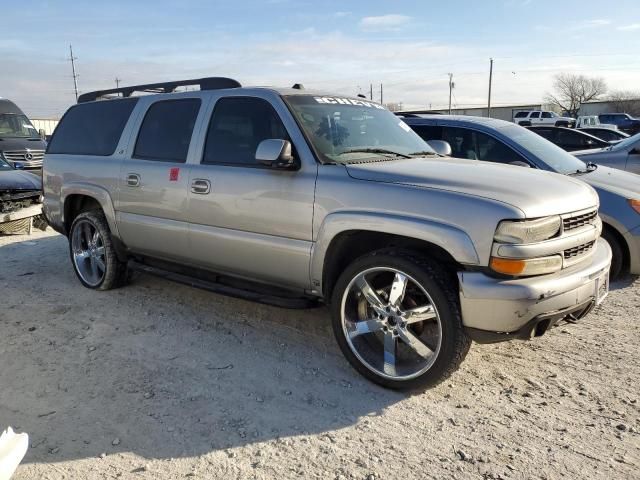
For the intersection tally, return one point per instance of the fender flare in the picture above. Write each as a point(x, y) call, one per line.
point(451, 239)
point(99, 194)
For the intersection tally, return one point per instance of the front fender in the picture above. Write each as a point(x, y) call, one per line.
point(101, 195)
point(451, 239)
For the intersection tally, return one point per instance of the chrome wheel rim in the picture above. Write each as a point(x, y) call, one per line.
point(391, 324)
point(88, 253)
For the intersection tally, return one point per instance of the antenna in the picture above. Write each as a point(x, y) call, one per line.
point(73, 69)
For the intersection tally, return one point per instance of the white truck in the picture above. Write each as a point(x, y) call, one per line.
point(592, 121)
point(528, 118)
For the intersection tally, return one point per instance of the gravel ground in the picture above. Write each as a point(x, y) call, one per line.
point(158, 380)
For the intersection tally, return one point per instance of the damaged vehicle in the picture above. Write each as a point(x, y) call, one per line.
point(20, 200)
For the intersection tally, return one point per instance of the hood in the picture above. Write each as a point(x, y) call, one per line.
point(19, 180)
point(619, 182)
point(10, 143)
point(536, 193)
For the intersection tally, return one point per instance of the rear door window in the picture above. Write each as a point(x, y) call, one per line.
point(547, 115)
point(493, 150)
point(521, 114)
point(535, 115)
point(165, 133)
point(92, 128)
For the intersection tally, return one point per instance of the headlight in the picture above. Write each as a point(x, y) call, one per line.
point(635, 204)
point(523, 268)
point(527, 231)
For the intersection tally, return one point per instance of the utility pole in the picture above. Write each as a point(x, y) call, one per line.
point(451, 85)
point(73, 69)
point(490, 79)
point(118, 80)
point(371, 92)
point(380, 93)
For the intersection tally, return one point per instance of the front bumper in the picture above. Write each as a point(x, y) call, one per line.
point(513, 308)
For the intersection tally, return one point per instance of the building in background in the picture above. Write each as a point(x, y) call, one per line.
point(628, 105)
point(46, 124)
point(501, 112)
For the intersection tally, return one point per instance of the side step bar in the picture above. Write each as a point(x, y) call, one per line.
point(253, 294)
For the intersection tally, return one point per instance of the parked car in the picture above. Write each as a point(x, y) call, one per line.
point(585, 121)
point(498, 141)
point(20, 200)
point(606, 134)
point(624, 155)
point(569, 139)
point(20, 143)
point(623, 121)
point(542, 117)
point(288, 197)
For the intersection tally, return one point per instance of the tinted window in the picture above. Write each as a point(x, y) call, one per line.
point(546, 115)
point(166, 130)
point(570, 139)
point(603, 134)
point(237, 127)
point(428, 132)
point(521, 114)
point(535, 115)
point(462, 142)
point(493, 150)
point(92, 128)
point(545, 133)
point(605, 118)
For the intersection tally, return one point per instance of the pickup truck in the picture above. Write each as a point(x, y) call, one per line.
point(542, 117)
point(623, 121)
point(293, 198)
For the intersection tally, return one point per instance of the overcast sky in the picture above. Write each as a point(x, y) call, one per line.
point(340, 46)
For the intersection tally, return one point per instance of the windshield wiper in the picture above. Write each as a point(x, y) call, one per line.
point(381, 151)
point(425, 153)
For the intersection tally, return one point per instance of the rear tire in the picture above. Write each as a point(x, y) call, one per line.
point(617, 254)
point(412, 339)
point(93, 254)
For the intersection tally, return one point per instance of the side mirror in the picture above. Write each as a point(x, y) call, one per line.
point(441, 147)
point(275, 153)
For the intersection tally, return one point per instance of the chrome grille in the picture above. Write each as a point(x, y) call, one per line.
point(20, 156)
point(578, 251)
point(577, 221)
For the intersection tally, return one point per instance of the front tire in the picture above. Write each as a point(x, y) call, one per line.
point(93, 255)
point(396, 318)
point(617, 254)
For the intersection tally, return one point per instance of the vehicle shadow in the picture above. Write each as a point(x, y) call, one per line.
point(159, 369)
point(623, 282)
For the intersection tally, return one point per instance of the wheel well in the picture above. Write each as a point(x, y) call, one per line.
point(621, 241)
point(74, 205)
point(347, 246)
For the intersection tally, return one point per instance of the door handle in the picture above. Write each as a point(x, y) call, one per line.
point(200, 186)
point(133, 180)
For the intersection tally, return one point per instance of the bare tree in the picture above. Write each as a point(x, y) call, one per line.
point(625, 101)
point(570, 90)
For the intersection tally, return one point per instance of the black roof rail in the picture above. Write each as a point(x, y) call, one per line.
point(207, 83)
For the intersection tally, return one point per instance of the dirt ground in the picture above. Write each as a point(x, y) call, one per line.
point(158, 380)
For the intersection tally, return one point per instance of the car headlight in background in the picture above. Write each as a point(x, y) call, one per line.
point(527, 231)
point(635, 204)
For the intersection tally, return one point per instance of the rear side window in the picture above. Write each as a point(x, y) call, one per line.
point(92, 128)
point(535, 115)
point(521, 114)
point(546, 115)
point(165, 133)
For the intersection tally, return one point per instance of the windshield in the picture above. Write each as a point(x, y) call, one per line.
point(345, 130)
point(14, 125)
point(626, 143)
point(552, 155)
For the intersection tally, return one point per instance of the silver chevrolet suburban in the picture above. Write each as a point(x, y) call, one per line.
point(290, 197)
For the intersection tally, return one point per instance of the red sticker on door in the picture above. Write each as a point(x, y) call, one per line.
point(173, 174)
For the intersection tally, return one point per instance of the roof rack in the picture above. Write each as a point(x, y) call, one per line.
point(208, 83)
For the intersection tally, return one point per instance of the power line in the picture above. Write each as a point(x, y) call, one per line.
point(73, 69)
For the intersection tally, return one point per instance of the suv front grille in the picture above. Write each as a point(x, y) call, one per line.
point(578, 251)
point(571, 223)
point(29, 158)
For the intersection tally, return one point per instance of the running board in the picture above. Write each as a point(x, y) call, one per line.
point(254, 294)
